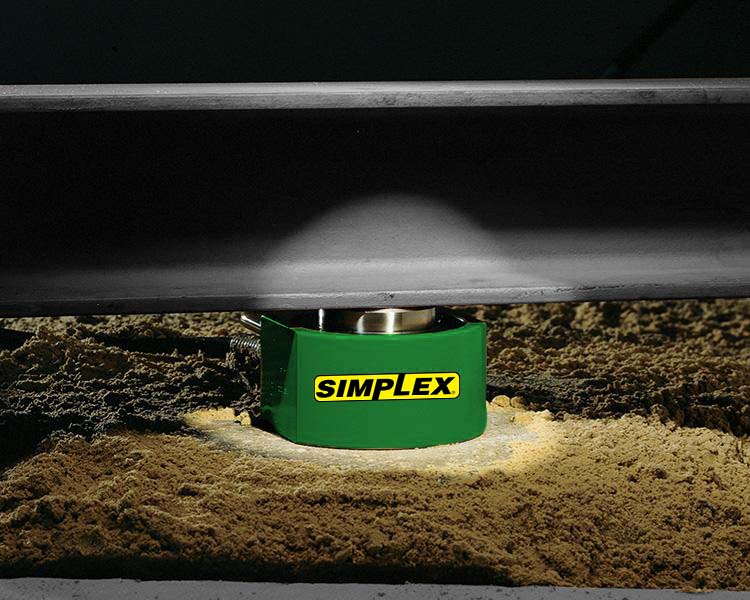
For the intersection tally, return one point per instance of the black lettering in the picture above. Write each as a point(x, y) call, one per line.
point(421, 385)
point(399, 391)
point(442, 385)
point(340, 393)
point(359, 388)
point(325, 388)
point(380, 386)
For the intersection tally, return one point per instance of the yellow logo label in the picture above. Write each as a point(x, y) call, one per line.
point(387, 386)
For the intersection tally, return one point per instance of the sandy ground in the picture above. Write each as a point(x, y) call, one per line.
point(654, 498)
point(598, 503)
point(687, 361)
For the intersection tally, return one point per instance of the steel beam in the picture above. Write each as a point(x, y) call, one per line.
point(528, 266)
point(371, 95)
point(119, 211)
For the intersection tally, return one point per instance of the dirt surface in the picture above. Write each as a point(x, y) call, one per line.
point(63, 380)
point(476, 455)
point(599, 503)
point(116, 483)
point(688, 361)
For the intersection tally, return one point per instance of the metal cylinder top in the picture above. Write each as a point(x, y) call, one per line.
point(378, 321)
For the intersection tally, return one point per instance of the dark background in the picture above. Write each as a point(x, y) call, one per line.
point(281, 40)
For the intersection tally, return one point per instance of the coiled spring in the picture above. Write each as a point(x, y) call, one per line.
point(245, 344)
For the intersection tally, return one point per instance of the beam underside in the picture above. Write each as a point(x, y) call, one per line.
point(109, 212)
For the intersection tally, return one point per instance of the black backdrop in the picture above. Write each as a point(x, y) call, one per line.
point(292, 40)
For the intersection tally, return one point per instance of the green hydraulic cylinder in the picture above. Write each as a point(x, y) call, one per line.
point(352, 390)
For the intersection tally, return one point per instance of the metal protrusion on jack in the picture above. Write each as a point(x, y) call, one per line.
point(252, 324)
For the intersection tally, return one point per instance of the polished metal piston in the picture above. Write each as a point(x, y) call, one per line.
point(378, 321)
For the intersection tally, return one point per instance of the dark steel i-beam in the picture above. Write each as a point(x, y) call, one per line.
point(145, 198)
point(372, 95)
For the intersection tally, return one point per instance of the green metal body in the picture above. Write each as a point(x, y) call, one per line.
point(296, 359)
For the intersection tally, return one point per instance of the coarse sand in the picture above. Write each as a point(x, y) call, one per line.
point(628, 502)
point(638, 473)
point(688, 361)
